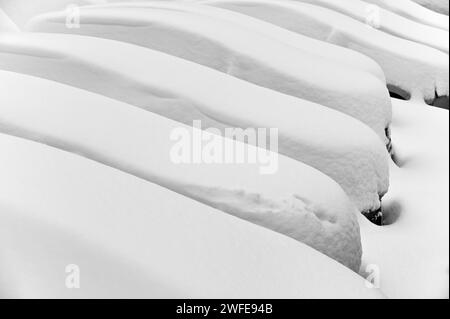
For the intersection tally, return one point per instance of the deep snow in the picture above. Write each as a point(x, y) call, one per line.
point(20, 11)
point(237, 51)
point(343, 56)
point(414, 12)
point(296, 200)
point(418, 70)
point(6, 24)
point(388, 22)
point(125, 231)
point(134, 239)
point(412, 252)
point(348, 151)
point(440, 6)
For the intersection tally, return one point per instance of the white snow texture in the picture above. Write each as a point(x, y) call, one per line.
point(100, 99)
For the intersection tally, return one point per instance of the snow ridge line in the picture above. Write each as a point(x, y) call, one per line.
point(288, 213)
point(303, 130)
point(413, 67)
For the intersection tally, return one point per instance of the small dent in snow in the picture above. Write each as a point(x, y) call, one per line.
point(256, 203)
point(333, 232)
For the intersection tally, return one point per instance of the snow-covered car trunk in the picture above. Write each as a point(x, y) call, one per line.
point(348, 151)
point(237, 51)
point(412, 69)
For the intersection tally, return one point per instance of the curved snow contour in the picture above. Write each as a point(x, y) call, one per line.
point(146, 241)
point(389, 22)
point(440, 6)
point(415, 12)
point(6, 24)
point(336, 144)
point(296, 200)
point(239, 52)
point(337, 54)
point(20, 11)
point(409, 67)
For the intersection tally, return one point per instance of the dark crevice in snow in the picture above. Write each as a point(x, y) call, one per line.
point(398, 93)
point(389, 145)
point(439, 101)
point(397, 161)
point(376, 216)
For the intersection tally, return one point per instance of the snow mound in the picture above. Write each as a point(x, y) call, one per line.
point(410, 67)
point(5, 23)
point(416, 208)
point(296, 200)
point(21, 11)
point(134, 239)
point(440, 6)
point(334, 143)
point(237, 51)
point(389, 22)
point(415, 12)
point(337, 54)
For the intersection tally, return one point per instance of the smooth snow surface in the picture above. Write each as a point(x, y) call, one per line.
point(237, 51)
point(421, 71)
point(297, 201)
point(413, 251)
point(389, 22)
point(5, 23)
point(415, 12)
point(340, 55)
point(20, 11)
point(91, 123)
point(348, 151)
point(134, 239)
point(440, 6)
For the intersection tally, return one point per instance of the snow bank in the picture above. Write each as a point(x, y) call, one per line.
point(440, 6)
point(412, 252)
point(409, 67)
point(415, 12)
point(297, 200)
point(336, 144)
point(134, 239)
point(340, 55)
point(21, 11)
point(237, 51)
point(388, 22)
point(5, 23)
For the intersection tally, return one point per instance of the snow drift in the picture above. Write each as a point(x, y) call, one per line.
point(336, 144)
point(411, 69)
point(134, 239)
point(297, 200)
point(414, 243)
point(237, 51)
point(440, 6)
point(20, 11)
point(389, 22)
point(340, 55)
point(415, 12)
